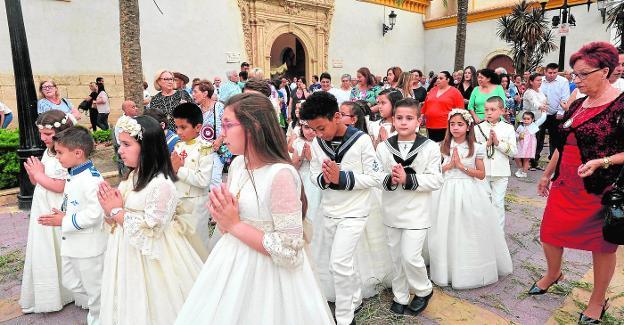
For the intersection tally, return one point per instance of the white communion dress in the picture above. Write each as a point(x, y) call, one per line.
point(42, 290)
point(467, 247)
point(149, 266)
point(239, 285)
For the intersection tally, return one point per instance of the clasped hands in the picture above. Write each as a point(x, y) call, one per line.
point(331, 172)
point(455, 161)
point(223, 207)
point(492, 139)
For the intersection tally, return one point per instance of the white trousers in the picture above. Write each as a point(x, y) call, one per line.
point(498, 188)
point(83, 277)
point(194, 208)
point(410, 272)
point(344, 235)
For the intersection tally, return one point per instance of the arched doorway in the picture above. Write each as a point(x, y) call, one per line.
point(288, 57)
point(504, 61)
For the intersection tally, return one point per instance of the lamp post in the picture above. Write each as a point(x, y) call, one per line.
point(391, 20)
point(567, 20)
point(30, 145)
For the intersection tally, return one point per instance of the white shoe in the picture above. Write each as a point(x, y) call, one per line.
point(518, 173)
point(523, 175)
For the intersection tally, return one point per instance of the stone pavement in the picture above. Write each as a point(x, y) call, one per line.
point(502, 303)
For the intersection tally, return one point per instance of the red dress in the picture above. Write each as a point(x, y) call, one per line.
point(572, 216)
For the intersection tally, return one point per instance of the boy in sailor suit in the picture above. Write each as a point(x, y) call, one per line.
point(192, 163)
point(500, 140)
point(411, 164)
point(81, 219)
point(344, 166)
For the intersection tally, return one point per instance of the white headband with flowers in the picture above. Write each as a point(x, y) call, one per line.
point(56, 124)
point(131, 126)
point(464, 113)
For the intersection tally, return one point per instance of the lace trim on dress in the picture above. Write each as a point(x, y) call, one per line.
point(284, 244)
point(143, 227)
point(285, 248)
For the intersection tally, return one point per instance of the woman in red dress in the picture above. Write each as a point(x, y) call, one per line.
point(582, 169)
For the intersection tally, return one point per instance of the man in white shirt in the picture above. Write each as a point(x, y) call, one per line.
point(557, 90)
point(617, 77)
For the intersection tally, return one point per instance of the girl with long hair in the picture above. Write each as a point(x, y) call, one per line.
point(149, 266)
point(259, 264)
point(467, 247)
point(42, 290)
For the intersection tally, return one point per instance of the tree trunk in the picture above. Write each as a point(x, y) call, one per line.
point(460, 39)
point(130, 46)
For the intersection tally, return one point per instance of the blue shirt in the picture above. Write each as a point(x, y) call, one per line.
point(227, 90)
point(44, 105)
point(171, 138)
point(556, 91)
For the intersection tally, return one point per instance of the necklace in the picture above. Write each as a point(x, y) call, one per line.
point(240, 188)
point(583, 108)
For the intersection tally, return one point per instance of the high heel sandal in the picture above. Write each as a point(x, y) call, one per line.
point(584, 319)
point(535, 290)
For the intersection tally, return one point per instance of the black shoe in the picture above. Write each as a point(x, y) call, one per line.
point(358, 308)
point(583, 319)
point(535, 290)
point(419, 304)
point(397, 308)
point(353, 321)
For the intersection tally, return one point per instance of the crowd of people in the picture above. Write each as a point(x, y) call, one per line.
point(318, 193)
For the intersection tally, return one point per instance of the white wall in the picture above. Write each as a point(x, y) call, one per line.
point(481, 40)
point(357, 41)
point(82, 37)
point(66, 37)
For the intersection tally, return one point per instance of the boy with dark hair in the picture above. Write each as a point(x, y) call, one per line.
point(170, 136)
point(192, 162)
point(345, 167)
point(411, 164)
point(81, 220)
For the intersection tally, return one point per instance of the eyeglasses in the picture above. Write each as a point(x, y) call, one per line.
point(48, 87)
point(167, 79)
point(344, 114)
point(585, 75)
point(228, 125)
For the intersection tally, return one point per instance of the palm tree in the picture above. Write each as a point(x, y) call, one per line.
point(130, 46)
point(615, 17)
point(460, 37)
point(527, 31)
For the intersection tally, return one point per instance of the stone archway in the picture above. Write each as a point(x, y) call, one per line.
point(266, 20)
point(498, 58)
point(288, 57)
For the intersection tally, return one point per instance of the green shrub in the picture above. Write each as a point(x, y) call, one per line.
point(9, 164)
point(9, 139)
point(102, 136)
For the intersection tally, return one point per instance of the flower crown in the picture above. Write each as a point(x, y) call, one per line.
point(56, 124)
point(464, 113)
point(131, 126)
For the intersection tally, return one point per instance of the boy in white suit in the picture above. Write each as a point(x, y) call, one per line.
point(411, 163)
point(81, 219)
point(345, 167)
point(500, 140)
point(192, 162)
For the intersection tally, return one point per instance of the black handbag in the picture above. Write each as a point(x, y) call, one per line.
point(613, 213)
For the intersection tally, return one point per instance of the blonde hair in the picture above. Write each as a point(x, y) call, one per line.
point(157, 77)
point(405, 84)
point(256, 73)
point(57, 94)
